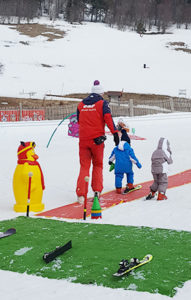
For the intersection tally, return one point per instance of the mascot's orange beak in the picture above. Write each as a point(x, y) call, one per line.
point(35, 156)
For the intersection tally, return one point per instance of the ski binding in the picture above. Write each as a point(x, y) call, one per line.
point(137, 187)
point(126, 267)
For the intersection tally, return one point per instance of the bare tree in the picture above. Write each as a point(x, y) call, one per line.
point(22, 9)
point(53, 10)
point(74, 11)
point(187, 13)
point(120, 13)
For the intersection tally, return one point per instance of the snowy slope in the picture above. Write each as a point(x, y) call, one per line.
point(168, 72)
point(92, 51)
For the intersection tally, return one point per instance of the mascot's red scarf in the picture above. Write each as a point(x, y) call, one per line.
point(33, 163)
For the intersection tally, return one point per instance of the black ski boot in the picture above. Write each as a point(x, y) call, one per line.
point(150, 196)
point(128, 188)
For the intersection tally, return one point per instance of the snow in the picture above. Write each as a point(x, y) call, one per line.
point(96, 51)
point(22, 251)
point(123, 53)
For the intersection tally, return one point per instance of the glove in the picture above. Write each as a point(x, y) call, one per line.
point(112, 167)
point(139, 165)
point(100, 139)
point(116, 138)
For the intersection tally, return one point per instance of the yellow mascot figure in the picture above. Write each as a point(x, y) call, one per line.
point(28, 173)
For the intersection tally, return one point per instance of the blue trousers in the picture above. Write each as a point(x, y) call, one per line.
point(119, 178)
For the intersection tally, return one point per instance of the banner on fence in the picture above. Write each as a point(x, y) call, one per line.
point(33, 115)
point(27, 115)
point(9, 115)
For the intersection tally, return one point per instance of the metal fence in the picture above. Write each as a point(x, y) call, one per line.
point(125, 108)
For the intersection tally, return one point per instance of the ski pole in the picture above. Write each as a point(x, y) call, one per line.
point(86, 178)
point(57, 128)
point(29, 192)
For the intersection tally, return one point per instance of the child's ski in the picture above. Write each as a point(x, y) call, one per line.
point(48, 257)
point(9, 232)
point(137, 187)
point(126, 267)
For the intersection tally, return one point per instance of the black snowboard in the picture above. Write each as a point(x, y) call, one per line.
point(48, 257)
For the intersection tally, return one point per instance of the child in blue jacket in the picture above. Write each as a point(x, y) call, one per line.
point(123, 155)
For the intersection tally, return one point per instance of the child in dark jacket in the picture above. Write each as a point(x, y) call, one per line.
point(124, 129)
point(123, 155)
point(160, 160)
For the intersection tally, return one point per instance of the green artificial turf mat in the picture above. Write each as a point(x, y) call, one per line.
point(96, 252)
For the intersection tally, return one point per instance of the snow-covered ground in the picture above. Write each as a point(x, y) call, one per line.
point(60, 165)
point(93, 51)
point(122, 53)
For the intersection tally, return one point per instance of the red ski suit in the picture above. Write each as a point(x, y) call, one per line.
point(92, 113)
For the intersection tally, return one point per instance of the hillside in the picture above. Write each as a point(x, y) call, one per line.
point(64, 59)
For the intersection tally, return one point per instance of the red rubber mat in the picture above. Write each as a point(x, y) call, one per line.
point(109, 199)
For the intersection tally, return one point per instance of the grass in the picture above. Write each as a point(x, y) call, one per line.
point(34, 30)
point(96, 252)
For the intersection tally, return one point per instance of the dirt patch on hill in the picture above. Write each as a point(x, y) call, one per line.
point(34, 30)
point(180, 46)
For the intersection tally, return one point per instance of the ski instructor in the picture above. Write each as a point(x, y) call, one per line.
point(93, 113)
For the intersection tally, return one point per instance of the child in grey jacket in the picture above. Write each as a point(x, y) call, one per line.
point(160, 159)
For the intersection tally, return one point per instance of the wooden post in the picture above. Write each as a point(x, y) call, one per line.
point(172, 105)
point(20, 111)
point(131, 110)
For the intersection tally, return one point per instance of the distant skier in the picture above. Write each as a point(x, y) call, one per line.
point(123, 155)
point(160, 159)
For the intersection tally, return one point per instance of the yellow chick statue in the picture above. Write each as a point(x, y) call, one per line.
point(27, 166)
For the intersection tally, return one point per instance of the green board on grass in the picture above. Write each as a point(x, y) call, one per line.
point(96, 252)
